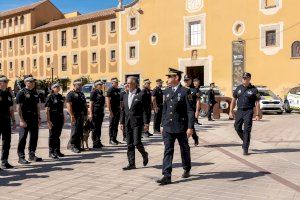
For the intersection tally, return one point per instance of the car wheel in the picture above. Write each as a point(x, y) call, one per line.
point(203, 113)
point(280, 113)
point(287, 107)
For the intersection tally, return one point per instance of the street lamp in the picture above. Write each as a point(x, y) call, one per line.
point(52, 73)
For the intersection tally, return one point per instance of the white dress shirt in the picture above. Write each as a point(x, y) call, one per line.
point(130, 97)
point(175, 88)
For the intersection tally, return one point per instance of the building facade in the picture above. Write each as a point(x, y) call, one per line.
point(213, 40)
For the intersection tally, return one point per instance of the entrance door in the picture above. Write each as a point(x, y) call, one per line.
point(196, 72)
point(135, 75)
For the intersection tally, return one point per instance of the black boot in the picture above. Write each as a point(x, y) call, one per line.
point(6, 165)
point(164, 180)
point(129, 167)
point(23, 161)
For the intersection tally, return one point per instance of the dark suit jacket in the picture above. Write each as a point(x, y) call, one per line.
point(178, 112)
point(211, 97)
point(137, 114)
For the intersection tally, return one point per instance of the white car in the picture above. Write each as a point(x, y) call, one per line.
point(292, 100)
point(269, 102)
point(87, 89)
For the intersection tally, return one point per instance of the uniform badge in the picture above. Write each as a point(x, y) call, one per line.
point(250, 92)
point(27, 95)
point(76, 95)
point(168, 95)
point(179, 96)
point(240, 91)
point(55, 101)
point(9, 98)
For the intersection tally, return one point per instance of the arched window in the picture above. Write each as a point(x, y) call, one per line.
point(296, 49)
point(22, 19)
point(16, 21)
point(10, 22)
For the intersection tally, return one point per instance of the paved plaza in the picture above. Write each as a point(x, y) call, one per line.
point(219, 170)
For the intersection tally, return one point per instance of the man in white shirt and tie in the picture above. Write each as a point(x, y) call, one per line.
point(133, 118)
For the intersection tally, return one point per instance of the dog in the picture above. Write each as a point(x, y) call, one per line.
point(87, 128)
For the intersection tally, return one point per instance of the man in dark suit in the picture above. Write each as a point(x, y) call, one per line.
point(133, 117)
point(147, 94)
point(178, 123)
point(211, 101)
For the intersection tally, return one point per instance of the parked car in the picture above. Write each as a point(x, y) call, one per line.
point(222, 105)
point(292, 100)
point(269, 101)
point(86, 90)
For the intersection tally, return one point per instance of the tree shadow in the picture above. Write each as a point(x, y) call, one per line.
point(234, 176)
point(179, 165)
point(222, 145)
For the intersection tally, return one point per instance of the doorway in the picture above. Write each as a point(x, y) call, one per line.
point(196, 72)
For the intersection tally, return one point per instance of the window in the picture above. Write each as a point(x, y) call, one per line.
point(64, 38)
point(94, 57)
point(48, 62)
point(34, 63)
point(0, 66)
point(10, 66)
point(112, 26)
point(4, 24)
point(270, 3)
point(10, 44)
point(34, 40)
point(22, 20)
point(75, 59)
point(22, 42)
point(0, 46)
point(94, 30)
point(75, 33)
point(10, 23)
point(48, 38)
point(16, 21)
point(22, 64)
point(195, 33)
point(113, 55)
point(296, 49)
point(131, 52)
point(270, 38)
point(132, 23)
point(64, 63)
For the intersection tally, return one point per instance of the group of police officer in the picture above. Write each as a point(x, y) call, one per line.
point(176, 110)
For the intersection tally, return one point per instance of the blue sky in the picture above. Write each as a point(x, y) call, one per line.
point(83, 6)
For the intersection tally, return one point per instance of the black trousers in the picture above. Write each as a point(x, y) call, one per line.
point(114, 125)
point(169, 141)
point(55, 133)
point(97, 123)
point(210, 111)
point(134, 140)
point(33, 129)
point(195, 136)
point(244, 118)
point(77, 132)
point(5, 133)
point(157, 119)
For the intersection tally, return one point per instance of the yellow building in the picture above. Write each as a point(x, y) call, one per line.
point(214, 40)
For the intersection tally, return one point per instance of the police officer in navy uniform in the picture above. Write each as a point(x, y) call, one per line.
point(147, 93)
point(133, 119)
point(157, 101)
point(188, 84)
point(6, 117)
point(113, 105)
point(211, 101)
point(178, 123)
point(55, 120)
point(30, 120)
point(122, 106)
point(96, 113)
point(77, 109)
point(247, 98)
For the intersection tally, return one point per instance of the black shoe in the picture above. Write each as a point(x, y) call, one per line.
point(101, 145)
point(164, 180)
point(196, 141)
point(53, 156)
point(245, 152)
point(211, 120)
point(186, 174)
point(23, 161)
point(59, 154)
point(6, 165)
point(124, 139)
point(129, 167)
point(145, 159)
point(75, 150)
point(35, 158)
point(98, 146)
point(112, 142)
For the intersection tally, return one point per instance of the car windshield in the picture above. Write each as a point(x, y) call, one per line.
point(87, 89)
point(265, 93)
